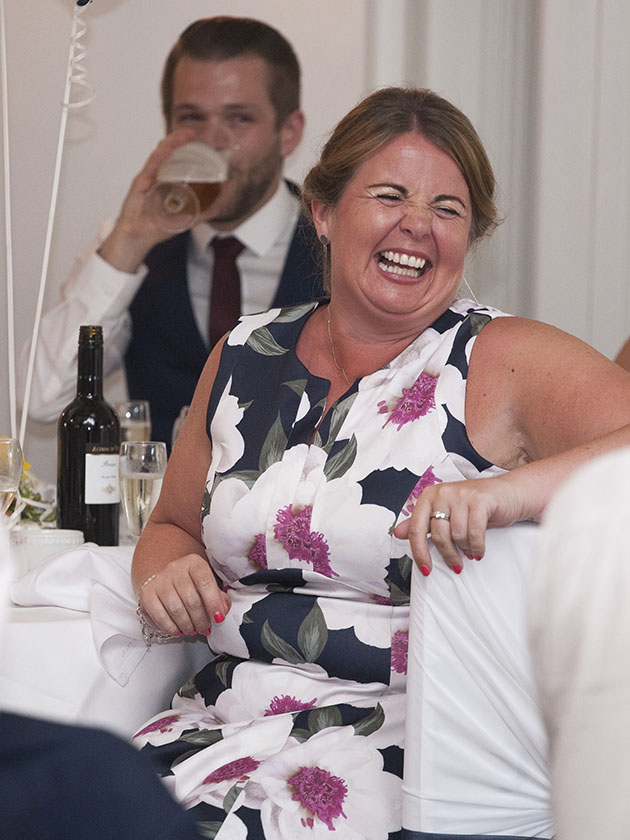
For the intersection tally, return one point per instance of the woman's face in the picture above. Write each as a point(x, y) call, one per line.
point(400, 234)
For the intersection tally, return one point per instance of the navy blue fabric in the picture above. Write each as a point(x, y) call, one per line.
point(166, 353)
point(61, 782)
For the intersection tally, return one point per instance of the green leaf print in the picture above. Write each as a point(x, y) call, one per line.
point(277, 647)
point(340, 463)
point(230, 798)
point(295, 313)
point(371, 723)
point(296, 385)
point(324, 718)
point(339, 414)
point(205, 503)
point(209, 829)
point(248, 477)
point(477, 322)
point(261, 341)
point(301, 735)
point(274, 446)
point(203, 737)
point(188, 690)
point(313, 634)
point(399, 596)
point(404, 566)
point(221, 670)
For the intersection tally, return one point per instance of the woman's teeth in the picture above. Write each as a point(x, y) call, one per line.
point(401, 264)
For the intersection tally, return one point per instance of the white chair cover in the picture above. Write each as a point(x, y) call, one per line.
point(476, 750)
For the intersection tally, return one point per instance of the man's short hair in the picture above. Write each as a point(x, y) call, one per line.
point(221, 38)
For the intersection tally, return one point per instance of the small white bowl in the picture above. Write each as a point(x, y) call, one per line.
point(32, 545)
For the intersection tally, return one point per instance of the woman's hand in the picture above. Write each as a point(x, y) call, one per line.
point(183, 598)
point(456, 515)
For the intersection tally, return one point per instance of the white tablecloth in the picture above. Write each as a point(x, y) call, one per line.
point(73, 651)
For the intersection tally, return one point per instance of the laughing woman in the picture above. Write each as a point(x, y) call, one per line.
point(324, 443)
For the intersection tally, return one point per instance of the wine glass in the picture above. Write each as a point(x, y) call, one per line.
point(141, 468)
point(135, 420)
point(10, 470)
point(188, 182)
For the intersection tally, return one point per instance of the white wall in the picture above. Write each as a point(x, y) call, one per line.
point(545, 82)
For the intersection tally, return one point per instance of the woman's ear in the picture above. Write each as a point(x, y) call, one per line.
point(321, 217)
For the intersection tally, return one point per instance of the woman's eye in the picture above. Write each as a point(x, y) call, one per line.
point(447, 211)
point(389, 198)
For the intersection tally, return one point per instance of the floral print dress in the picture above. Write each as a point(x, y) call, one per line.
point(295, 728)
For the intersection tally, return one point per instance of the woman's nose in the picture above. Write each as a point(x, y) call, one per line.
point(416, 220)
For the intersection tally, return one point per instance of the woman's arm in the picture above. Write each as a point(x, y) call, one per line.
point(170, 572)
point(539, 403)
point(623, 356)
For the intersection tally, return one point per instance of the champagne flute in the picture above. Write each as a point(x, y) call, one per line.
point(188, 183)
point(135, 420)
point(142, 465)
point(10, 471)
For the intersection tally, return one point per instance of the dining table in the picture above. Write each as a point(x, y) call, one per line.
point(72, 645)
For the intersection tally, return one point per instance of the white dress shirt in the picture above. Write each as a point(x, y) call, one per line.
point(97, 293)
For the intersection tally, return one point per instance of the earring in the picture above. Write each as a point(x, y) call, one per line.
point(324, 240)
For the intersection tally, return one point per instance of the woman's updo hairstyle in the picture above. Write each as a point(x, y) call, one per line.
point(385, 115)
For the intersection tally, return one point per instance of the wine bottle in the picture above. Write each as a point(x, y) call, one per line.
point(88, 443)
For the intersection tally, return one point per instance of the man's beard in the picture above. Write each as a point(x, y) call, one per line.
point(249, 197)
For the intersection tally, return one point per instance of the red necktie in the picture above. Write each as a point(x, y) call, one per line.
point(225, 296)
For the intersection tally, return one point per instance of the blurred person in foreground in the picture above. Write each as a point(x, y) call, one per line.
point(150, 290)
point(325, 442)
point(580, 642)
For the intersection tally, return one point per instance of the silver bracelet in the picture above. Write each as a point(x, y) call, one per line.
point(149, 633)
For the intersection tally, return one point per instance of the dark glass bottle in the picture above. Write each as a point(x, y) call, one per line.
point(88, 442)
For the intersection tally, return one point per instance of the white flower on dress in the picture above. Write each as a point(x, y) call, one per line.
point(370, 621)
point(259, 691)
point(166, 727)
point(396, 422)
point(249, 323)
point(332, 782)
point(210, 774)
point(312, 521)
point(227, 442)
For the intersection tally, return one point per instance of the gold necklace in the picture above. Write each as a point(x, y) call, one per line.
point(334, 355)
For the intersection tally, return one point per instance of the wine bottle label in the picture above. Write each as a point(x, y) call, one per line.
point(101, 474)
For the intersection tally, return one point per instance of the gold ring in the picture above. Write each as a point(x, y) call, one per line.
point(439, 514)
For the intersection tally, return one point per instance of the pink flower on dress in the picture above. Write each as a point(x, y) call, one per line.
point(400, 644)
point(258, 553)
point(164, 724)
point(427, 478)
point(284, 703)
point(293, 532)
point(237, 770)
point(382, 600)
point(319, 792)
point(413, 403)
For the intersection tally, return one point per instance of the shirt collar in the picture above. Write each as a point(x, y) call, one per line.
point(267, 227)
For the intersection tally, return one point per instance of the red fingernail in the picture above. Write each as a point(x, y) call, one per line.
point(473, 557)
point(457, 569)
point(426, 571)
point(205, 632)
point(218, 617)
